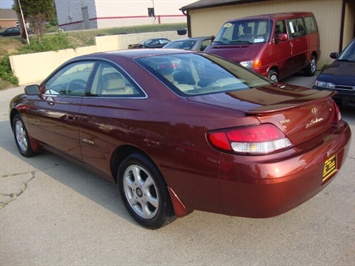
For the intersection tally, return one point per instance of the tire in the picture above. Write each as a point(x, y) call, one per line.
point(144, 192)
point(21, 137)
point(273, 75)
point(311, 69)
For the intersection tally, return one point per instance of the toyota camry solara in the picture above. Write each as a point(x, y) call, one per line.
point(180, 131)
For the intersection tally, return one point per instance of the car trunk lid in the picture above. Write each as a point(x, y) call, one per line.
point(300, 113)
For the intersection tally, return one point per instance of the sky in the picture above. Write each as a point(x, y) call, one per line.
point(6, 4)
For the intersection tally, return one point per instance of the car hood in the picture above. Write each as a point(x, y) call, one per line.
point(340, 68)
point(237, 53)
point(300, 113)
point(339, 72)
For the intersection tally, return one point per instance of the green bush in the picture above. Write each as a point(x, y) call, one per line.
point(6, 72)
point(53, 42)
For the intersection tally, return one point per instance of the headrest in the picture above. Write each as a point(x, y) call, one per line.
point(112, 81)
point(247, 30)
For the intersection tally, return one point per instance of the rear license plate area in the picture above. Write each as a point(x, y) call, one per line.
point(330, 166)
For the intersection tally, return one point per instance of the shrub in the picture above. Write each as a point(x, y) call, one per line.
point(54, 42)
point(6, 72)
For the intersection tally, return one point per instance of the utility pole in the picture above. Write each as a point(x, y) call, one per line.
point(22, 24)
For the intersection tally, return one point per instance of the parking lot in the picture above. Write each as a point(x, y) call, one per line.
point(53, 212)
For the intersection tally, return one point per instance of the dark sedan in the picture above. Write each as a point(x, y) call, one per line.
point(150, 43)
point(180, 131)
point(196, 43)
point(340, 77)
point(13, 31)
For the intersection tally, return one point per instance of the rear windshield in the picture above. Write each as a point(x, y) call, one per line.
point(197, 74)
point(252, 31)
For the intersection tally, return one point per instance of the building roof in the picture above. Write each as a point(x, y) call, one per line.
point(7, 14)
point(213, 3)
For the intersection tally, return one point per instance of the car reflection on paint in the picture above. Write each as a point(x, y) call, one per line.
point(180, 131)
point(196, 43)
point(150, 43)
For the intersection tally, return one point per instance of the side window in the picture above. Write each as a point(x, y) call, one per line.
point(280, 27)
point(204, 44)
point(70, 80)
point(311, 25)
point(297, 27)
point(108, 81)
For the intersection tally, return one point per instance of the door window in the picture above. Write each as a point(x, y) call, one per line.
point(109, 81)
point(280, 27)
point(70, 80)
point(297, 27)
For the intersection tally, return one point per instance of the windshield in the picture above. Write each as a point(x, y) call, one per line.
point(251, 31)
point(196, 74)
point(349, 53)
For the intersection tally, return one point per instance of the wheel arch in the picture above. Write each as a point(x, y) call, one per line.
point(35, 146)
point(122, 152)
point(12, 115)
point(275, 68)
point(315, 54)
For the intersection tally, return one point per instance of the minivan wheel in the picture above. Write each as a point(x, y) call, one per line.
point(311, 69)
point(273, 76)
point(144, 192)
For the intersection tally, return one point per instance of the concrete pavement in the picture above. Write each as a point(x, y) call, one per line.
point(53, 212)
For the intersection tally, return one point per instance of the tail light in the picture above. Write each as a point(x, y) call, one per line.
point(337, 116)
point(261, 139)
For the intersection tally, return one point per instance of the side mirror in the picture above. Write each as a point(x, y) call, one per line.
point(334, 55)
point(212, 38)
point(32, 90)
point(281, 37)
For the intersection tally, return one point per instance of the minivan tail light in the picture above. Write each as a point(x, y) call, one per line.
point(260, 139)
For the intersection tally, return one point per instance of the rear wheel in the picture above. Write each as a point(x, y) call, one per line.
point(273, 75)
point(310, 70)
point(144, 192)
point(21, 137)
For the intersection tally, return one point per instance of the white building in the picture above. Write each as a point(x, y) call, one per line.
point(93, 14)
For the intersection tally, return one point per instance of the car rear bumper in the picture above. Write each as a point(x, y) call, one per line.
point(265, 187)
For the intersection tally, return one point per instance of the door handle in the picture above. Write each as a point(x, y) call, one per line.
point(70, 117)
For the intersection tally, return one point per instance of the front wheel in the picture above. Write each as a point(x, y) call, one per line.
point(144, 192)
point(21, 137)
point(273, 76)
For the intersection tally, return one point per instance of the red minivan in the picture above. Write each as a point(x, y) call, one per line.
point(273, 45)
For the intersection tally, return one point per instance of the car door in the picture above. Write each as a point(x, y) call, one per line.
point(108, 115)
point(282, 50)
point(54, 118)
point(299, 44)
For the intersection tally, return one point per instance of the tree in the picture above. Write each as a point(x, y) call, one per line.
point(37, 13)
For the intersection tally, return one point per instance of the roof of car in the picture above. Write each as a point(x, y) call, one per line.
point(133, 53)
point(274, 15)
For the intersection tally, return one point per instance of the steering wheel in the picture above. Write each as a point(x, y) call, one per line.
point(75, 85)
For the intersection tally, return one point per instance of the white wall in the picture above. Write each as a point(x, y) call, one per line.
point(44, 63)
point(116, 13)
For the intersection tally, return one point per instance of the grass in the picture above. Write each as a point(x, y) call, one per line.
point(54, 40)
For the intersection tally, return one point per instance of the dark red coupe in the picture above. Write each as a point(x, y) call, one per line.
point(180, 131)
